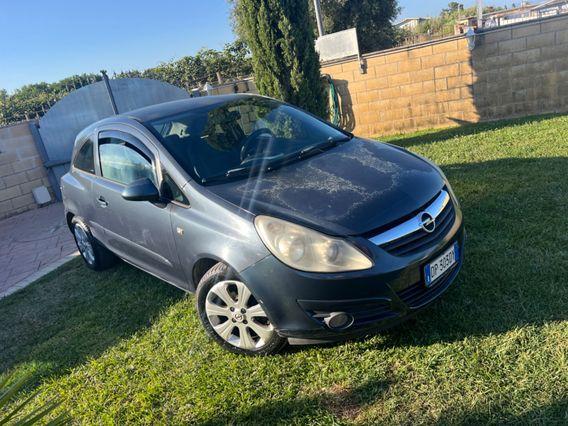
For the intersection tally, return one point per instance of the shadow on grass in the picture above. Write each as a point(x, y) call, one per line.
point(428, 137)
point(74, 313)
point(550, 414)
point(331, 405)
point(514, 272)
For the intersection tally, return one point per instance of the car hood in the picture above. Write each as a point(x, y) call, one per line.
point(352, 189)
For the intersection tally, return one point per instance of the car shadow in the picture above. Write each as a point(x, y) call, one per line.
point(514, 273)
point(464, 129)
point(552, 414)
point(55, 324)
point(335, 403)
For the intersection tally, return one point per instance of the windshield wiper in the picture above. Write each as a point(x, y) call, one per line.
point(275, 161)
point(331, 142)
point(239, 171)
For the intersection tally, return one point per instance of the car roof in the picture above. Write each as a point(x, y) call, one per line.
point(166, 109)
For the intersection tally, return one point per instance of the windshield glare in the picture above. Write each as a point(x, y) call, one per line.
point(210, 143)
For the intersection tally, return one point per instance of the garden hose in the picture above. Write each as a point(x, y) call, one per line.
point(334, 111)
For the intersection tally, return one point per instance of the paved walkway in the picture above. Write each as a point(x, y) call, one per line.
point(32, 244)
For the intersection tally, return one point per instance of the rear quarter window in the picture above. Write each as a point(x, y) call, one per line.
point(85, 160)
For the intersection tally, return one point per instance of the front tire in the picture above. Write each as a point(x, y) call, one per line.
point(95, 255)
point(232, 316)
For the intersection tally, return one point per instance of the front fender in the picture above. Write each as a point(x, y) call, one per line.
point(208, 230)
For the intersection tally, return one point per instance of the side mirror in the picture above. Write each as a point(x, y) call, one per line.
point(141, 190)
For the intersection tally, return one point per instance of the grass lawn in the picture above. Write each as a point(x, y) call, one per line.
point(121, 346)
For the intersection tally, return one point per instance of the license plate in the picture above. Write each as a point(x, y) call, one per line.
point(441, 264)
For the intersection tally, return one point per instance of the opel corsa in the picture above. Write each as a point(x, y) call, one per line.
point(286, 227)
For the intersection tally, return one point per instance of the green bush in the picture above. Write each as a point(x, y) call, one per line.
point(280, 36)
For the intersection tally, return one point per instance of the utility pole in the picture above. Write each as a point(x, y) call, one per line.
point(109, 91)
point(317, 7)
point(479, 14)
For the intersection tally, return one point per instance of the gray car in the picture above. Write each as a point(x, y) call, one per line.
point(287, 228)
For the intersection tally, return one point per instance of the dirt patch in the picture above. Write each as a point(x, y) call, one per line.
point(342, 402)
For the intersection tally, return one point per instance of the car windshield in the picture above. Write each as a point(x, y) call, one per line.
point(239, 137)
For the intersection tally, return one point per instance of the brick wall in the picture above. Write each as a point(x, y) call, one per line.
point(513, 71)
point(21, 170)
point(522, 70)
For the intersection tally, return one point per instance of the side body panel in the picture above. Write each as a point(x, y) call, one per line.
point(214, 229)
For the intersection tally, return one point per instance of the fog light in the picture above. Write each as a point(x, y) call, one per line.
point(338, 320)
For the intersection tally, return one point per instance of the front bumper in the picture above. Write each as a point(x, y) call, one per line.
point(377, 298)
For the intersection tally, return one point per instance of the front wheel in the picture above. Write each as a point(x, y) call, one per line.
point(232, 316)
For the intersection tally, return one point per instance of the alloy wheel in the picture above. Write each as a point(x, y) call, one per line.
point(237, 316)
point(84, 244)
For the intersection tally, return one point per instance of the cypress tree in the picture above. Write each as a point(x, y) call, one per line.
point(280, 36)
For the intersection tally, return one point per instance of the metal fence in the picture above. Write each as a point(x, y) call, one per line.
point(11, 113)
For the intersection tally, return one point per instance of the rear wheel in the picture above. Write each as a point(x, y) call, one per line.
point(96, 256)
point(232, 316)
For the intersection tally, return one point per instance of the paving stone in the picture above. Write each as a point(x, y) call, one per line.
point(51, 254)
point(30, 242)
point(14, 280)
point(48, 243)
point(4, 274)
point(24, 266)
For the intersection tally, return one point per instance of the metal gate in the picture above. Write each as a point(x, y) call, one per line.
point(56, 131)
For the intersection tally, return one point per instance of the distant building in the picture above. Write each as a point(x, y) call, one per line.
point(410, 24)
point(526, 12)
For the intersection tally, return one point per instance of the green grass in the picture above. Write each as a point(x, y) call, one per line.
point(121, 346)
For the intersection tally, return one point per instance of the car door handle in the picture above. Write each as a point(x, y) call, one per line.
point(102, 202)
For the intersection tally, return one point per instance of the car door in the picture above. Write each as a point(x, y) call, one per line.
point(138, 231)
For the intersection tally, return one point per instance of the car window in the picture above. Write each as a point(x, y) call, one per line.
point(84, 160)
point(124, 163)
point(171, 191)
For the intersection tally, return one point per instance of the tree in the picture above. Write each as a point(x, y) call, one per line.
point(453, 7)
point(372, 18)
point(280, 35)
point(190, 71)
point(443, 24)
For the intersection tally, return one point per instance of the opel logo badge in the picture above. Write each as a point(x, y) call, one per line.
point(427, 222)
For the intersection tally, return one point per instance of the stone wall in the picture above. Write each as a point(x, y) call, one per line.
point(21, 170)
point(513, 71)
point(522, 70)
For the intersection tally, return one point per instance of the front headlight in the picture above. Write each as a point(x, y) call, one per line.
point(308, 250)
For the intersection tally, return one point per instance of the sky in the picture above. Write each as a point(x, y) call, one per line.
point(423, 8)
point(47, 40)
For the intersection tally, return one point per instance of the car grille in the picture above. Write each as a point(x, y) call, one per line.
point(409, 238)
point(418, 295)
point(421, 240)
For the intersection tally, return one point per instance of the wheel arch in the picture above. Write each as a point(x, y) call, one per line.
point(203, 264)
point(69, 218)
point(200, 268)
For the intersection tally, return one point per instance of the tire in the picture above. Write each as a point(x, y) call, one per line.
point(233, 323)
point(96, 256)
